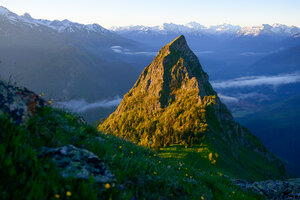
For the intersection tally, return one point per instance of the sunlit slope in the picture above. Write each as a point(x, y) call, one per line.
point(173, 102)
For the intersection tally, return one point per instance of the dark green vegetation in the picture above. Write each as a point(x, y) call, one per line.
point(173, 103)
point(278, 127)
point(141, 173)
point(163, 127)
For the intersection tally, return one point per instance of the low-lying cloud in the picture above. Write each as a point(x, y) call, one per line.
point(204, 52)
point(252, 81)
point(251, 53)
point(255, 53)
point(121, 50)
point(238, 97)
point(228, 99)
point(81, 105)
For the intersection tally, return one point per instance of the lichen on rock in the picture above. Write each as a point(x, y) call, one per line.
point(18, 102)
point(273, 189)
point(78, 163)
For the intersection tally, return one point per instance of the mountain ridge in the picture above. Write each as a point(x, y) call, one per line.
point(166, 28)
point(62, 59)
point(173, 102)
point(195, 28)
point(57, 25)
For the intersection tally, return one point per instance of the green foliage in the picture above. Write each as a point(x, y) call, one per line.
point(181, 122)
point(141, 173)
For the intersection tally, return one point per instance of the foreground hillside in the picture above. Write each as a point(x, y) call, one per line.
point(52, 154)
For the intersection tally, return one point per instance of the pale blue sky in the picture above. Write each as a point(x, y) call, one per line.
point(155, 12)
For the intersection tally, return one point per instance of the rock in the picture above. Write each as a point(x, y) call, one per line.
point(18, 102)
point(78, 163)
point(273, 189)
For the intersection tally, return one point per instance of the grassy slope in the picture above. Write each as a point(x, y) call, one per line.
point(141, 173)
point(241, 164)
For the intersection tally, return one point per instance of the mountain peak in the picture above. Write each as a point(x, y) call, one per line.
point(27, 16)
point(178, 43)
point(4, 11)
point(173, 102)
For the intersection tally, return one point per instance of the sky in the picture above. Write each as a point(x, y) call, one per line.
point(110, 13)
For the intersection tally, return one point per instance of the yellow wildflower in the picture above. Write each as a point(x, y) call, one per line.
point(68, 193)
point(154, 173)
point(120, 147)
point(202, 197)
point(57, 196)
point(210, 156)
point(107, 185)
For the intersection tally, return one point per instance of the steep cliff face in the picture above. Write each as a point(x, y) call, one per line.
point(173, 102)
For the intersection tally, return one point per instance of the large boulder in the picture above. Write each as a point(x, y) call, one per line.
point(78, 163)
point(18, 102)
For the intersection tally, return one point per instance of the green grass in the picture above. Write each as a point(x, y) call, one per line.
point(141, 173)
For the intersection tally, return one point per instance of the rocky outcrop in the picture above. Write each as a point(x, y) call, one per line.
point(77, 163)
point(273, 189)
point(18, 102)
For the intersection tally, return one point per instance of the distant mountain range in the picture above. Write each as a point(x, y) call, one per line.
point(62, 59)
point(229, 51)
point(195, 28)
point(59, 26)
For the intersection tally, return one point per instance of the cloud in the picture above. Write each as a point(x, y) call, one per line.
point(121, 50)
point(252, 95)
point(82, 105)
point(250, 53)
point(228, 99)
point(237, 98)
point(252, 81)
point(204, 52)
point(254, 53)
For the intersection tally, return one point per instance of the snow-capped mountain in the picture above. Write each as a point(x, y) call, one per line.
point(59, 26)
point(275, 29)
point(198, 29)
point(62, 58)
